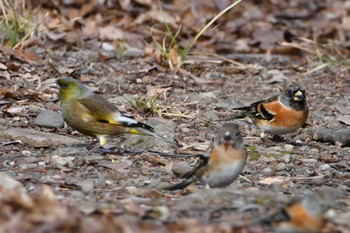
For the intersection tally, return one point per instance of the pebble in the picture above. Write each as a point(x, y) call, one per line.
point(267, 171)
point(87, 186)
point(62, 160)
point(287, 158)
point(324, 167)
point(36, 138)
point(314, 150)
point(211, 116)
point(42, 163)
point(49, 119)
point(288, 147)
point(181, 168)
point(26, 152)
point(280, 167)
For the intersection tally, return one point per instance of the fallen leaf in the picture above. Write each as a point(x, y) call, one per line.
point(111, 32)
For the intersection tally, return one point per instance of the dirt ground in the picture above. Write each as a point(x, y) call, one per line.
point(49, 182)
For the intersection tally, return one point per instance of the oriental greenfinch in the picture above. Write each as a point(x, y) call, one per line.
point(92, 115)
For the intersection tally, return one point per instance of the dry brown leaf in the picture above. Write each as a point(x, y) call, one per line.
point(159, 16)
point(29, 55)
point(7, 93)
point(111, 32)
point(174, 56)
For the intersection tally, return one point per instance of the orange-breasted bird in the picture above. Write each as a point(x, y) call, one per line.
point(222, 164)
point(94, 116)
point(307, 215)
point(280, 114)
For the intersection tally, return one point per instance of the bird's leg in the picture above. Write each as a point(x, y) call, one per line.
point(94, 148)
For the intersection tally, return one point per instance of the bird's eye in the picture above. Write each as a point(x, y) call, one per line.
point(65, 84)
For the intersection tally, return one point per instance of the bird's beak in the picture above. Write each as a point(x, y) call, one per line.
point(227, 139)
point(299, 96)
point(227, 136)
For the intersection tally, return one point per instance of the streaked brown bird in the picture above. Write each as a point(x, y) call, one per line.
point(224, 162)
point(94, 116)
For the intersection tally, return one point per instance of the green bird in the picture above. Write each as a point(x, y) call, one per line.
point(94, 116)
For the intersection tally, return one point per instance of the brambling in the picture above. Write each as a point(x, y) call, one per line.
point(94, 116)
point(307, 215)
point(224, 162)
point(280, 114)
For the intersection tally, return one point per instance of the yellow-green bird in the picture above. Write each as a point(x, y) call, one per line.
point(94, 116)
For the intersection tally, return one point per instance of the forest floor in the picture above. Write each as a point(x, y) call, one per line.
point(49, 184)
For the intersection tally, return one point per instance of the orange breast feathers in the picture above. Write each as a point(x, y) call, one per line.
point(302, 220)
point(223, 155)
point(286, 116)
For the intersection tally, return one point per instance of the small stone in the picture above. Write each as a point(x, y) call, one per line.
point(280, 167)
point(298, 141)
point(267, 171)
point(324, 167)
point(211, 116)
point(87, 186)
point(290, 167)
point(62, 160)
point(41, 163)
point(287, 158)
point(314, 150)
point(181, 168)
point(26, 152)
point(36, 138)
point(49, 119)
point(288, 147)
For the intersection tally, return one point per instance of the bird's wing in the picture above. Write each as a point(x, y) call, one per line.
point(259, 109)
point(105, 112)
point(98, 106)
point(193, 175)
point(198, 168)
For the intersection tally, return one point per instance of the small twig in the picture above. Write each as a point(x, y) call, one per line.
point(246, 179)
point(178, 115)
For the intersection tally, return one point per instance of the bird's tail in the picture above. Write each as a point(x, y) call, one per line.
point(181, 185)
point(136, 127)
point(240, 115)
